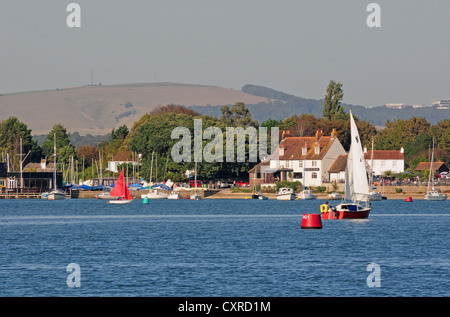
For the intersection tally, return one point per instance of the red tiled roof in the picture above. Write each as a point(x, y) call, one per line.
point(426, 166)
point(339, 165)
point(293, 147)
point(122, 156)
point(384, 155)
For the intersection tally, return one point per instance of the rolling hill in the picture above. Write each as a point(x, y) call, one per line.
point(97, 110)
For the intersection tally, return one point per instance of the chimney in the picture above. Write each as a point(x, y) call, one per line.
point(333, 133)
point(285, 134)
point(365, 149)
point(43, 164)
point(402, 150)
point(319, 134)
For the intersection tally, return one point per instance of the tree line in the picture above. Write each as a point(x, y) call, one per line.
point(150, 136)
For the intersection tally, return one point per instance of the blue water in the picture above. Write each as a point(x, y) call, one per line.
point(221, 248)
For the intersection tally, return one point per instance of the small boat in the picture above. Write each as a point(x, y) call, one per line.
point(285, 193)
point(174, 195)
point(55, 194)
point(121, 191)
point(195, 195)
point(334, 196)
point(44, 195)
point(155, 194)
point(433, 193)
point(356, 183)
point(306, 194)
point(375, 196)
point(106, 195)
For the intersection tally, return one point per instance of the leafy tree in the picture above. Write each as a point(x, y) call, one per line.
point(399, 133)
point(11, 131)
point(65, 150)
point(119, 134)
point(332, 106)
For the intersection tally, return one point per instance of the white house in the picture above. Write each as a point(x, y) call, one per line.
point(305, 159)
point(121, 158)
point(384, 161)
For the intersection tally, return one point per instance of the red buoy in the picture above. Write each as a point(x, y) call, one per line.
point(311, 221)
point(408, 199)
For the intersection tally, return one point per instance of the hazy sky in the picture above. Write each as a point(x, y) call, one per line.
point(295, 46)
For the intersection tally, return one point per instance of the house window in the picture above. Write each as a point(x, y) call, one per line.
point(304, 151)
point(317, 150)
point(298, 175)
point(300, 164)
point(313, 175)
point(314, 163)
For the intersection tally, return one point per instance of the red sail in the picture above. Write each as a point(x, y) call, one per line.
point(127, 193)
point(118, 190)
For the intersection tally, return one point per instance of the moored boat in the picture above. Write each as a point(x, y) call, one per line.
point(285, 193)
point(433, 193)
point(334, 196)
point(306, 194)
point(121, 191)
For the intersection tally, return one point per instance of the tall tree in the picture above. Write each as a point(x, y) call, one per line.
point(65, 150)
point(332, 107)
point(11, 131)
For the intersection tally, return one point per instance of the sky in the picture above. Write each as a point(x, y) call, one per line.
point(295, 46)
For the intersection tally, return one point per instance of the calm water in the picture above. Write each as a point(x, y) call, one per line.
point(221, 248)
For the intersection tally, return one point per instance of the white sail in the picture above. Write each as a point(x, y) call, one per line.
point(349, 177)
point(358, 165)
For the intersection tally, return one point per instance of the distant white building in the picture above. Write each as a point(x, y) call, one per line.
point(396, 105)
point(443, 104)
point(121, 158)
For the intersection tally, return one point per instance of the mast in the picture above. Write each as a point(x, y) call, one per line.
point(54, 161)
point(430, 178)
point(196, 177)
point(371, 168)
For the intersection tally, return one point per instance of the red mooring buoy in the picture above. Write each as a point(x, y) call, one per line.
point(311, 221)
point(408, 199)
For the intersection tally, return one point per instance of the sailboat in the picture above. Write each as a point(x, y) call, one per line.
point(356, 183)
point(257, 194)
point(432, 192)
point(55, 194)
point(121, 191)
point(195, 195)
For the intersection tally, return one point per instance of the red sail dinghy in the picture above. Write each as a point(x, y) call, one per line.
point(121, 190)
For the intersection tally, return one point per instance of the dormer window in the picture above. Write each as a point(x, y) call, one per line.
point(317, 149)
point(304, 151)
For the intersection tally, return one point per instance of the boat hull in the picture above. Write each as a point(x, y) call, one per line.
point(436, 197)
point(346, 215)
point(348, 211)
point(195, 197)
point(286, 197)
point(56, 196)
point(119, 202)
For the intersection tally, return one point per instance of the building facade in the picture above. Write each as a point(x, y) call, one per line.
point(304, 159)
